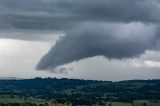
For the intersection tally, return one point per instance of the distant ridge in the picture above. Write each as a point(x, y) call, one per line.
point(10, 78)
point(77, 90)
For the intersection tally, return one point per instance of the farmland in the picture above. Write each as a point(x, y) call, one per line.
point(66, 92)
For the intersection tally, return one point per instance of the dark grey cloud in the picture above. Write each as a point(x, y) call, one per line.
point(112, 28)
point(31, 35)
point(65, 14)
point(116, 40)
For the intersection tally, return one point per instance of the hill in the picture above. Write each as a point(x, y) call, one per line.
point(82, 91)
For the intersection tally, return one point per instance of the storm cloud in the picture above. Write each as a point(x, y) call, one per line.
point(118, 41)
point(110, 28)
point(65, 14)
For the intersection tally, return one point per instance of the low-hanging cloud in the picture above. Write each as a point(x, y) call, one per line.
point(114, 40)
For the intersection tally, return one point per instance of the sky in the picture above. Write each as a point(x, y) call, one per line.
point(93, 39)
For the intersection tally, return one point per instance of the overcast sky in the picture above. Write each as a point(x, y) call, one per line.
point(86, 39)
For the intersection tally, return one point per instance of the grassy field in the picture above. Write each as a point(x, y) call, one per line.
point(120, 104)
point(8, 99)
point(16, 99)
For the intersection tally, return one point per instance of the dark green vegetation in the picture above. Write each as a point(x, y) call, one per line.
point(82, 92)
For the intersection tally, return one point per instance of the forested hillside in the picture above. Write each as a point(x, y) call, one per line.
point(82, 91)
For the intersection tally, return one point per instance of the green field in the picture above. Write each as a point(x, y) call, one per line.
point(120, 104)
point(7, 99)
point(16, 99)
point(39, 102)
